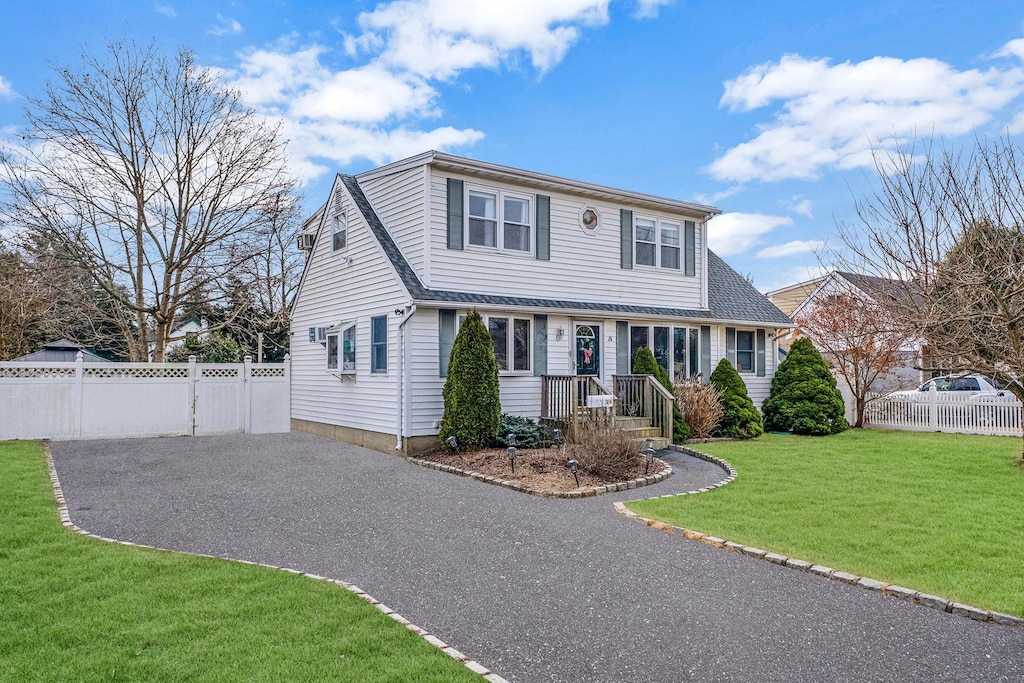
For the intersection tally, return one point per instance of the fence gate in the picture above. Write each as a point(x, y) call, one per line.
point(218, 399)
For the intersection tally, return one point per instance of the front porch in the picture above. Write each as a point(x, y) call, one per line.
point(637, 404)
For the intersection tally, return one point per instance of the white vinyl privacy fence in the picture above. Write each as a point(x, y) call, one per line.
point(114, 400)
point(946, 411)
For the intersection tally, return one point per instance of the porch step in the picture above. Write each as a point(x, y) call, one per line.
point(632, 422)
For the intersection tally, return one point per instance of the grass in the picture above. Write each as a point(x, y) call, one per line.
point(79, 609)
point(939, 513)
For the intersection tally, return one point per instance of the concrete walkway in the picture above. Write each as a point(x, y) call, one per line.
point(535, 589)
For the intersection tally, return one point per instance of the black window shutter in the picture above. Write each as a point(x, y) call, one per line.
point(690, 243)
point(625, 238)
point(543, 227)
point(622, 348)
point(760, 353)
point(455, 224)
point(705, 352)
point(730, 344)
point(446, 339)
point(540, 345)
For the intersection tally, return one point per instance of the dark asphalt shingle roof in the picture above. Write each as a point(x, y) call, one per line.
point(730, 296)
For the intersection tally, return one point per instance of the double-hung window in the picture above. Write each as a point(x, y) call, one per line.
point(745, 350)
point(339, 232)
point(656, 243)
point(341, 348)
point(499, 220)
point(379, 344)
point(511, 339)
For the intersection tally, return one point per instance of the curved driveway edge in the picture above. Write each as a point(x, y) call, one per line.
point(893, 590)
point(470, 664)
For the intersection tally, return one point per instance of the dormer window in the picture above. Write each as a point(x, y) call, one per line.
point(499, 220)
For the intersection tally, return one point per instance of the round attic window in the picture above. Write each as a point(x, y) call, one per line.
point(590, 220)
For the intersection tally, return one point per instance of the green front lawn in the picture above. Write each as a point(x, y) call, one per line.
point(939, 513)
point(77, 609)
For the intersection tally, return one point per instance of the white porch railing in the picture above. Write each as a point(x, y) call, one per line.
point(937, 411)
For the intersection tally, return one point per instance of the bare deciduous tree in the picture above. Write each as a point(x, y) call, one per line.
point(149, 175)
point(858, 340)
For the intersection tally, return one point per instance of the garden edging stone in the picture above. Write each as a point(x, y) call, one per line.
point(900, 592)
point(472, 665)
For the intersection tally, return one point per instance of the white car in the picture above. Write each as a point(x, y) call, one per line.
point(964, 385)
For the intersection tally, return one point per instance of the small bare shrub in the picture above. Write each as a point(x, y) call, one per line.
point(700, 404)
point(605, 452)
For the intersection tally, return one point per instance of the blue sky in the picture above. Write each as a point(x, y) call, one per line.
point(767, 110)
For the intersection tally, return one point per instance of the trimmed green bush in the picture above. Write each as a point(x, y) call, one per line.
point(804, 398)
point(644, 363)
point(472, 408)
point(740, 419)
point(527, 431)
point(214, 348)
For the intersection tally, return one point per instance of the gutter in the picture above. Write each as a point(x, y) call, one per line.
point(402, 379)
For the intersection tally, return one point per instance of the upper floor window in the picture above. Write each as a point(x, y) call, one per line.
point(339, 232)
point(499, 220)
point(656, 243)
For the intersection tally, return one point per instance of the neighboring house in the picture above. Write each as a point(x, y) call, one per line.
point(181, 331)
point(571, 278)
point(61, 351)
point(797, 300)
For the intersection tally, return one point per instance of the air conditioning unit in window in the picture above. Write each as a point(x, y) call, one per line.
point(318, 334)
point(306, 241)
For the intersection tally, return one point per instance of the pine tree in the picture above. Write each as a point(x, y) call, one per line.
point(804, 398)
point(740, 418)
point(472, 409)
point(644, 363)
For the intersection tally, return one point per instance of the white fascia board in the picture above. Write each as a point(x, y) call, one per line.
point(482, 169)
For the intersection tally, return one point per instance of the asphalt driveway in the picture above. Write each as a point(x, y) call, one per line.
point(535, 589)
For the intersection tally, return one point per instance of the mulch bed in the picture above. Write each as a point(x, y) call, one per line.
point(540, 469)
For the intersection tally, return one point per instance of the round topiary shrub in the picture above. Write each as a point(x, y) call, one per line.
point(644, 363)
point(472, 408)
point(804, 398)
point(740, 419)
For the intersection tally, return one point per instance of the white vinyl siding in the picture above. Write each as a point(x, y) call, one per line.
point(398, 200)
point(581, 267)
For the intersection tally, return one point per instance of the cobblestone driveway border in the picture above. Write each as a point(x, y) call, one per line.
point(893, 590)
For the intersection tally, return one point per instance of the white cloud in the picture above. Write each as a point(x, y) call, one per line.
point(718, 196)
point(374, 108)
point(6, 91)
point(648, 9)
point(734, 233)
point(165, 10)
point(791, 248)
point(225, 26)
point(1016, 124)
point(832, 115)
point(804, 207)
point(439, 38)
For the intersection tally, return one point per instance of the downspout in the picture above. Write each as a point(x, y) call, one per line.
point(410, 310)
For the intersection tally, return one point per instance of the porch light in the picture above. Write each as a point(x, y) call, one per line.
point(559, 334)
point(574, 467)
point(511, 450)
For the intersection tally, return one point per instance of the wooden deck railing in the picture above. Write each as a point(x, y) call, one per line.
point(643, 396)
point(572, 400)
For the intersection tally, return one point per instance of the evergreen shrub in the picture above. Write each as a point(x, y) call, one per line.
point(804, 398)
point(527, 431)
point(214, 347)
point(740, 419)
point(472, 408)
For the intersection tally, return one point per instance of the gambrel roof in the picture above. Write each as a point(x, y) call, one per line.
point(731, 297)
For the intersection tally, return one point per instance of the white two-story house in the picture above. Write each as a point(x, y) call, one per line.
point(570, 277)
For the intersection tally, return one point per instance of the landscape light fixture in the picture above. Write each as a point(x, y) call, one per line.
point(452, 443)
point(511, 450)
point(574, 467)
point(556, 438)
point(648, 455)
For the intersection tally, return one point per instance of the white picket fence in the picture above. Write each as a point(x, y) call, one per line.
point(117, 400)
point(941, 411)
